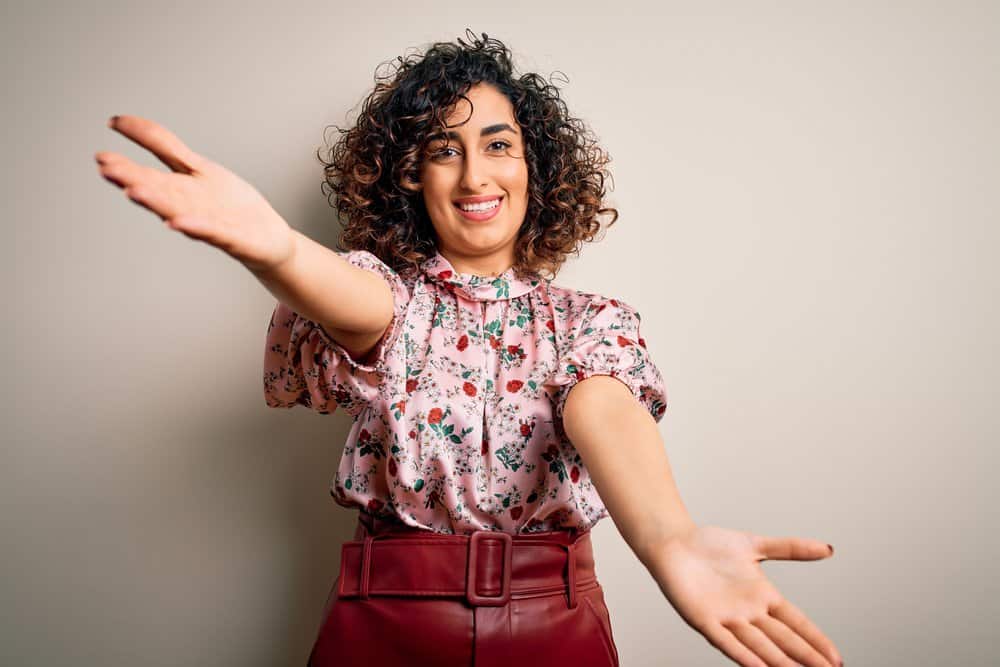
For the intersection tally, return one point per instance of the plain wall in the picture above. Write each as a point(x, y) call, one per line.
point(809, 228)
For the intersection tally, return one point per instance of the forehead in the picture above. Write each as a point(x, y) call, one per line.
point(486, 105)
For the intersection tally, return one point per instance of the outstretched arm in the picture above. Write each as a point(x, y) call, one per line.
point(710, 575)
point(209, 203)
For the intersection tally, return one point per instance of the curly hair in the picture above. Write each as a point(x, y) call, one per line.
point(373, 167)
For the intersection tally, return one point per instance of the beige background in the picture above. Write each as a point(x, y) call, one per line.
point(809, 228)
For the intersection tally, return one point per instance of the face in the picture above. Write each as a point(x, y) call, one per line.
point(479, 163)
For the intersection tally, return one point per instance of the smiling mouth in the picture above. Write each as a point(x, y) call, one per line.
point(479, 207)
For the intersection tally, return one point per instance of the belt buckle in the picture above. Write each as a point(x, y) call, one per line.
point(471, 595)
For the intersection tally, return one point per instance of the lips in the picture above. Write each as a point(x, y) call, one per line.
point(479, 216)
point(476, 200)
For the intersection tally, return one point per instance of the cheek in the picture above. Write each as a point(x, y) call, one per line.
point(437, 191)
point(516, 178)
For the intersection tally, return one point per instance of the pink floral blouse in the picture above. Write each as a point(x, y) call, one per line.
point(458, 417)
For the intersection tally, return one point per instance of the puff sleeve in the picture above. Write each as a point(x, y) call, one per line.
point(303, 365)
point(606, 341)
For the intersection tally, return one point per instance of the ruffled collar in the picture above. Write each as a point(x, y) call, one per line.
point(477, 288)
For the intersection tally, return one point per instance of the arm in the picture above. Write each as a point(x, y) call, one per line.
point(710, 575)
point(353, 305)
point(601, 419)
point(208, 202)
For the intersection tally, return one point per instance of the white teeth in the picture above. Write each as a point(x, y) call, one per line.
point(481, 206)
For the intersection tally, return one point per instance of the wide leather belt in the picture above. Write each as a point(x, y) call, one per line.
point(486, 568)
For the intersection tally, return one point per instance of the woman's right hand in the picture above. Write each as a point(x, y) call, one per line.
point(200, 198)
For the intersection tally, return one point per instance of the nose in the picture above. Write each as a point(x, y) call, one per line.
point(473, 172)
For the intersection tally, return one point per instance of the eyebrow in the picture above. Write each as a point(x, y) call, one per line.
point(489, 129)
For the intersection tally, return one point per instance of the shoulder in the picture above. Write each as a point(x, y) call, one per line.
point(369, 261)
point(580, 307)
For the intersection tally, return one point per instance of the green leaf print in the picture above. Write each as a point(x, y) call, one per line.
point(509, 460)
point(556, 466)
point(419, 484)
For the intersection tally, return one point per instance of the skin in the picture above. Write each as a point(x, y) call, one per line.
point(471, 164)
point(710, 575)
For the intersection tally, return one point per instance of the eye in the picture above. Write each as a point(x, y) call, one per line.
point(442, 153)
point(503, 144)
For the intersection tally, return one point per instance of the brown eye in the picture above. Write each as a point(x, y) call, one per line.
point(502, 144)
point(441, 152)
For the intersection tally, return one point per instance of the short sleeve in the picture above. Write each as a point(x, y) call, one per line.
point(303, 365)
point(606, 341)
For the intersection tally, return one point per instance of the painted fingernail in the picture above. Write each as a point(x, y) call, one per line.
point(831, 553)
point(111, 121)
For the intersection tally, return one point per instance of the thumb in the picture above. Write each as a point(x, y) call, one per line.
point(791, 548)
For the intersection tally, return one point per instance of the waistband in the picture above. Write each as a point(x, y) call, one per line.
point(486, 568)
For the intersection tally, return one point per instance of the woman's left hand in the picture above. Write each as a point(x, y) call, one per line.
point(713, 578)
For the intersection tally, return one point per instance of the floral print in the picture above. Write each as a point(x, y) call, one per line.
point(457, 419)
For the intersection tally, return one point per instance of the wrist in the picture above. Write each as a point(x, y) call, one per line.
point(656, 547)
point(284, 259)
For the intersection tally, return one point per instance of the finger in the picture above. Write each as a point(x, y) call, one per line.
point(790, 615)
point(157, 200)
point(760, 643)
point(724, 640)
point(791, 548)
point(161, 142)
point(791, 643)
point(125, 173)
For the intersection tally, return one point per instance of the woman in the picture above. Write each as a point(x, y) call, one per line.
point(477, 472)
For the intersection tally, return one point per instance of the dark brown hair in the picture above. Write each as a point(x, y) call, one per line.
point(369, 166)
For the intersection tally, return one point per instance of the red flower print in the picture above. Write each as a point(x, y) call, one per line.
point(375, 505)
point(495, 342)
point(574, 474)
point(551, 325)
point(516, 512)
point(514, 385)
point(512, 349)
point(434, 416)
point(602, 307)
point(469, 389)
point(525, 430)
point(413, 435)
point(614, 303)
point(642, 341)
point(579, 374)
point(411, 385)
point(392, 467)
point(444, 275)
point(624, 342)
point(401, 406)
point(552, 451)
point(364, 436)
point(463, 343)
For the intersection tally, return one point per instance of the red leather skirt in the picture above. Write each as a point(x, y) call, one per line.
point(408, 596)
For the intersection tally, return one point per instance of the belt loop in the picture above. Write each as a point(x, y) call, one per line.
point(366, 565)
point(571, 575)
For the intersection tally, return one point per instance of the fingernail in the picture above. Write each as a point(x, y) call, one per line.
point(831, 553)
point(111, 121)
